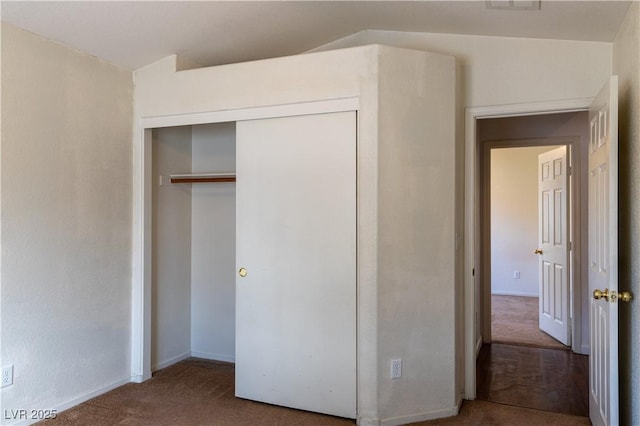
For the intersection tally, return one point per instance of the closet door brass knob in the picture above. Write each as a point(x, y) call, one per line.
point(242, 272)
point(537, 251)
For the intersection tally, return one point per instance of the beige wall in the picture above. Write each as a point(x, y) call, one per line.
point(504, 70)
point(66, 222)
point(626, 64)
point(514, 220)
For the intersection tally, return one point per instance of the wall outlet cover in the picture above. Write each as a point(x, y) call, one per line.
point(396, 368)
point(7, 376)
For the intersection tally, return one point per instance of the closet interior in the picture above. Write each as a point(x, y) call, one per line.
point(193, 235)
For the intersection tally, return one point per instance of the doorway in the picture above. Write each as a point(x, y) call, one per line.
point(477, 318)
point(527, 137)
point(568, 129)
point(516, 293)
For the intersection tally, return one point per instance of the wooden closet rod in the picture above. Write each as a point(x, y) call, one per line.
point(203, 177)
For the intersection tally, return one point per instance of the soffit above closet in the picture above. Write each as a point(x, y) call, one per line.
point(134, 34)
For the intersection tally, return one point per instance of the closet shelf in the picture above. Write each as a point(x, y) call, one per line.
point(203, 177)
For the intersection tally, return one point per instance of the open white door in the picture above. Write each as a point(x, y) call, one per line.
point(553, 239)
point(603, 256)
point(296, 259)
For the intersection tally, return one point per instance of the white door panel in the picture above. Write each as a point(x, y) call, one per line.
point(296, 237)
point(603, 255)
point(553, 183)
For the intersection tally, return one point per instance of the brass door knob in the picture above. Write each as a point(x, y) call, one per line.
point(625, 296)
point(537, 251)
point(599, 294)
point(242, 272)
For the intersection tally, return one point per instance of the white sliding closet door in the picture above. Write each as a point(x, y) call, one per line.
point(296, 262)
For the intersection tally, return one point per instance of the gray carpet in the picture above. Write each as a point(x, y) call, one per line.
point(198, 392)
point(514, 320)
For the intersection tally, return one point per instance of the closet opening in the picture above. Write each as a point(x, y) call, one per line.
point(193, 243)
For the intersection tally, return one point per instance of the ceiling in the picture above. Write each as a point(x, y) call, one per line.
point(134, 34)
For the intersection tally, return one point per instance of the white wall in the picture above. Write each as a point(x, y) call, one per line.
point(514, 220)
point(504, 70)
point(300, 78)
point(66, 223)
point(171, 256)
point(416, 236)
point(626, 64)
point(213, 245)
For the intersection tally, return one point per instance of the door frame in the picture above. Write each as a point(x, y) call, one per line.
point(142, 208)
point(472, 224)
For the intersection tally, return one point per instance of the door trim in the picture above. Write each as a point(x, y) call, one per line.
point(472, 211)
point(141, 228)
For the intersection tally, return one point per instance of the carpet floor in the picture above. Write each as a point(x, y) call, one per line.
point(199, 392)
point(514, 320)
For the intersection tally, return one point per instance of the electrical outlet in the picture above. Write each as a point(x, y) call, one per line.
point(7, 376)
point(396, 368)
point(516, 275)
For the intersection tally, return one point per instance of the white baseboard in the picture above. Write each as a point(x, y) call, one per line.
point(459, 403)
point(170, 361)
point(93, 394)
point(213, 357)
point(585, 350)
point(367, 422)
point(141, 378)
point(421, 417)
point(512, 293)
point(73, 402)
point(197, 354)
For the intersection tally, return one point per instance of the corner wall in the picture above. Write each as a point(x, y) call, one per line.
point(416, 237)
point(626, 64)
point(66, 223)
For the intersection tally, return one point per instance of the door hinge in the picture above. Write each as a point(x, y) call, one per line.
point(473, 272)
point(570, 245)
point(569, 170)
